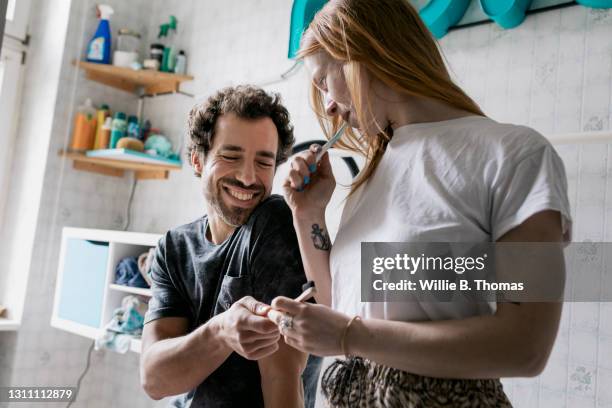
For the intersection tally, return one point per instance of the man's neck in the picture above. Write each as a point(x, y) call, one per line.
point(218, 230)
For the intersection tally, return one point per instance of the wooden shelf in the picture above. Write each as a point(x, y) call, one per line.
point(130, 80)
point(116, 168)
point(131, 289)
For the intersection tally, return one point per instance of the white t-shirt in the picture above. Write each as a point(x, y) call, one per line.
point(462, 180)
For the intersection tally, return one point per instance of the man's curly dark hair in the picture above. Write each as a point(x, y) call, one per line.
point(247, 102)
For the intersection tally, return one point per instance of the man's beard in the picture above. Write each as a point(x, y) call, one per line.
point(233, 216)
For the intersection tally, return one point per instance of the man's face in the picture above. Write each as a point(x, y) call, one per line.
point(238, 170)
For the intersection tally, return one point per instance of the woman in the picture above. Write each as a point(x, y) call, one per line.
point(436, 170)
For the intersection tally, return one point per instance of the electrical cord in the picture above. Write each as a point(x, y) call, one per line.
point(78, 385)
point(129, 204)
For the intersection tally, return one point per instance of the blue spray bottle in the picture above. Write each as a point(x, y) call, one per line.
point(99, 49)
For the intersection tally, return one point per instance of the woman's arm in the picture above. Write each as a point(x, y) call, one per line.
point(307, 193)
point(281, 377)
point(315, 246)
point(515, 341)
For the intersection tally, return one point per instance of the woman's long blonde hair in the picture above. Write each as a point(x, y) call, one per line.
point(389, 40)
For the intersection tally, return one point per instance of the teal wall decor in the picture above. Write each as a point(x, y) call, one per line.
point(302, 13)
point(596, 3)
point(440, 15)
point(506, 13)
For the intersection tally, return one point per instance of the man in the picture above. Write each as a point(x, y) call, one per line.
point(206, 330)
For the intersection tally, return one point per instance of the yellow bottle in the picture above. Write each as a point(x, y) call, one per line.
point(101, 115)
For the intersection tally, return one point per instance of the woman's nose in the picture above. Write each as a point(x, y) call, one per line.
point(331, 107)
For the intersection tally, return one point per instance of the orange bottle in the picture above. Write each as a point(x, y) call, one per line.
point(84, 131)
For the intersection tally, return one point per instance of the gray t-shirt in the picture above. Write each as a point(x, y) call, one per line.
point(196, 279)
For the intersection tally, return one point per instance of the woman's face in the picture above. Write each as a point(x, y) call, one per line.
point(328, 76)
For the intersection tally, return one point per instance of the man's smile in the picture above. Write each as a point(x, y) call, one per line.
point(243, 197)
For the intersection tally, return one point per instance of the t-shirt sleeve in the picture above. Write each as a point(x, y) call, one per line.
point(276, 265)
point(525, 187)
point(166, 299)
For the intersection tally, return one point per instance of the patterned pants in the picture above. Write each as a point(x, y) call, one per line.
point(359, 383)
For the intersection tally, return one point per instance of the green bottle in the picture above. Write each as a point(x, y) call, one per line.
point(167, 34)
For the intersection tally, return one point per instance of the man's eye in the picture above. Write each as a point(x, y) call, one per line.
point(230, 158)
point(264, 164)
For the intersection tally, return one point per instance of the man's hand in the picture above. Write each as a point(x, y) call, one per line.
point(246, 329)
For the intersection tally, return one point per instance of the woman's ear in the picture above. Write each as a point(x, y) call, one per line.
point(196, 163)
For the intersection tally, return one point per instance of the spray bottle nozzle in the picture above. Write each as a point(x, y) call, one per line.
point(172, 23)
point(163, 30)
point(104, 11)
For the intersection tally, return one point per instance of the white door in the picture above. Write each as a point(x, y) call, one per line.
point(17, 14)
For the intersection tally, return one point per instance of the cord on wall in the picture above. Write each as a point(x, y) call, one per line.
point(128, 208)
point(78, 385)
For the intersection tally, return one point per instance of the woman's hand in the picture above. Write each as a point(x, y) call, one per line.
point(316, 329)
point(309, 187)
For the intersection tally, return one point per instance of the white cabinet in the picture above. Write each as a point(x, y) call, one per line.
point(85, 293)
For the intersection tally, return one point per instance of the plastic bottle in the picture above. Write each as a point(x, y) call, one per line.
point(105, 133)
point(84, 130)
point(119, 127)
point(101, 115)
point(167, 34)
point(99, 49)
point(181, 63)
point(132, 127)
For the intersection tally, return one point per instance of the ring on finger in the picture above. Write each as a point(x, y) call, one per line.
point(286, 322)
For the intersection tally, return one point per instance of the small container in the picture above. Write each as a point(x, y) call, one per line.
point(151, 64)
point(84, 131)
point(105, 133)
point(128, 47)
point(181, 63)
point(119, 127)
point(101, 115)
point(124, 58)
point(133, 129)
point(156, 51)
point(128, 40)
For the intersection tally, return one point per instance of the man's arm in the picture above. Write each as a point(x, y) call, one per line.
point(281, 377)
point(173, 362)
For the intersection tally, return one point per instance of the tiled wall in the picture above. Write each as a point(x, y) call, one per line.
point(552, 73)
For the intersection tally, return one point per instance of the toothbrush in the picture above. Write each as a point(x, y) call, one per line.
point(330, 143)
point(321, 152)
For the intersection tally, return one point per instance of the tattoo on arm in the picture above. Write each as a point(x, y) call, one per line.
point(320, 238)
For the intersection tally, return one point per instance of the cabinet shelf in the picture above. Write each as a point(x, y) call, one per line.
point(86, 296)
point(116, 168)
point(8, 324)
point(130, 80)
